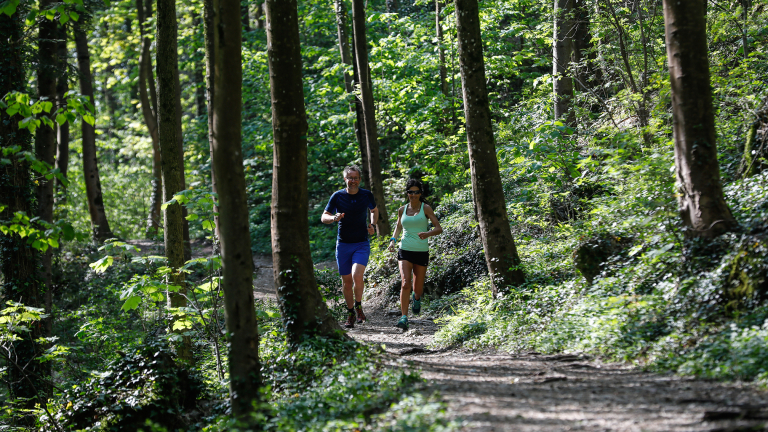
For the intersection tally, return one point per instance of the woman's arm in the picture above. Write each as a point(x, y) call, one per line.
point(430, 214)
point(398, 228)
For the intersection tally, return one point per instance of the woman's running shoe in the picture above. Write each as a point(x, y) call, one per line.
point(403, 323)
point(416, 304)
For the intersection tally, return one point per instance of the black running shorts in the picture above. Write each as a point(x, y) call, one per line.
point(418, 258)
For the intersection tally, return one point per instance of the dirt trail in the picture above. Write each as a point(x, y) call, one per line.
point(494, 391)
point(532, 392)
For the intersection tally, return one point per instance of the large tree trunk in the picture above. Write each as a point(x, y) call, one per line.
point(62, 130)
point(173, 167)
point(100, 226)
point(303, 309)
point(498, 244)
point(19, 267)
point(237, 263)
point(210, 54)
point(371, 134)
point(349, 83)
point(700, 193)
point(45, 139)
point(562, 41)
point(146, 79)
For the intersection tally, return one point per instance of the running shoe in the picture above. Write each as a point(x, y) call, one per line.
point(416, 304)
point(403, 323)
point(360, 314)
point(350, 320)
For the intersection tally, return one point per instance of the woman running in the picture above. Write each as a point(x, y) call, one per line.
point(413, 219)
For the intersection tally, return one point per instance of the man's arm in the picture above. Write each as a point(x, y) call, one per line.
point(328, 217)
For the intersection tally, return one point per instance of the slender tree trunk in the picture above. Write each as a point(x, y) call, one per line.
point(259, 16)
point(210, 54)
point(146, 79)
point(498, 244)
point(45, 139)
point(200, 105)
point(19, 260)
point(100, 226)
point(440, 49)
point(349, 83)
point(371, 134)
point(588, 73)
point(173, 168)
point(237, 263)
point(245, 16)
point(439, 5)
point(700, 193)
point(562, 39)
point(360, 124)
point(303, 309)
point(62, 130)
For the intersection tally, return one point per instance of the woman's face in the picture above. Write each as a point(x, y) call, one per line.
point(414, 193)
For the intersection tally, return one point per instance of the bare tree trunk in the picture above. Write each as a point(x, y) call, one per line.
point(146, 79)
point(45, 139)
point(700, 193)
point(371, 134)
point(562, 40)
point(210, 54)
point(587, 74)
point(303, 309)
point(349, 84)
point(360, 124)
point(20, 268)
point(440, 49)
point(100, 226)
point(173, 167)
point(237, 263)
point(62, 130)
point(498, 244)
point(259, 16)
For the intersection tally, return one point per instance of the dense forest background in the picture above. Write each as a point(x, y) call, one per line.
point(589, 185)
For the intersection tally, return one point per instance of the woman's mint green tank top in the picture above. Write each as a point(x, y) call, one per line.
point(412, 226)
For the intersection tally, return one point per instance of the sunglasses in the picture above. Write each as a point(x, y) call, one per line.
point(416, 192)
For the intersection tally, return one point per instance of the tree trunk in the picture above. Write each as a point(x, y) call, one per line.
point(245, 16)
point(700, 193)
point(62, 130)
point(441, 50)
point(45, 139)
point(562, 40)
point(259, 16)
point(498, 244)
point(100, 226)
point(371, 134)
point(303, 309)
point(587, 73)
point(199, 79)
point(19, 260)
point(210, 53)
point(360, 124)
point(172, 166)
point(146, 79)
point(349, 83)
point(237, 263)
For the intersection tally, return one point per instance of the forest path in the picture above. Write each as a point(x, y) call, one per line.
point(495, 391)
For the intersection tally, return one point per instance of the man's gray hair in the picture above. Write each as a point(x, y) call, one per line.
point(352, 168)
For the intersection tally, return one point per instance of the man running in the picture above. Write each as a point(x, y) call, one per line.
point(351, 207)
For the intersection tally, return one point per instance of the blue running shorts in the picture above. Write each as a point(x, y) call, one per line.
point(351, 253)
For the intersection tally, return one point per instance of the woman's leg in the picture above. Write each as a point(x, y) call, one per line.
point(405, 285)
point(419, 274)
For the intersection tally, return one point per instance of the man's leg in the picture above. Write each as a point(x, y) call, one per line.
point(347, 283)
point(358, 270)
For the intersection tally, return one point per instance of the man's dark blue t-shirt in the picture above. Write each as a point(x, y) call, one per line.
point(353, 228)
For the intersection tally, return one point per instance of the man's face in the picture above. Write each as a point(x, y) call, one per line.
point(352, 179)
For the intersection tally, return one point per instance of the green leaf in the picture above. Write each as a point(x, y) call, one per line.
point(67, 231)
point(131, 302)
point(192, 216)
